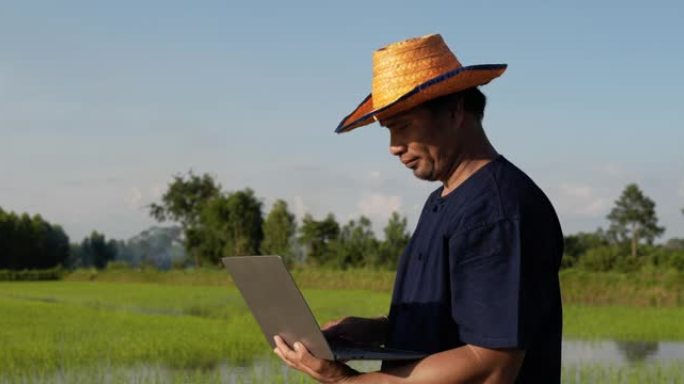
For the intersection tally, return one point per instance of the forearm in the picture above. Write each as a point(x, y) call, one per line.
point(460, 365)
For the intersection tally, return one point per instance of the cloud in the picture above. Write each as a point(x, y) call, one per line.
point(379, 206)
point(134, 198)
point(574, 190)
point(612, 170)
point(579, 200)
point(374, 175)
point(157, 191)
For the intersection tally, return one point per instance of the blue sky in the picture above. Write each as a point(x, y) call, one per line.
point(102, 102)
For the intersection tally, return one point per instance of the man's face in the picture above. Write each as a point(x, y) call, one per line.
point(425, 142)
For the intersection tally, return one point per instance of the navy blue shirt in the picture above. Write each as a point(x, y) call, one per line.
point(482, 268)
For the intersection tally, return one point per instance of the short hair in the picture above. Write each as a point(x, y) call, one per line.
point(474, 101)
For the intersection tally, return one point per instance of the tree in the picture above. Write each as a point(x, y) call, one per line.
point(279, 229)
point(633, 218)
point(28, 242)
point(6, 231)
point(160, 247)
point(231, 225)
point(183, 202)
point(396, 239)
point(316, 236)
point(675, 244)
point(579, 244)
point(356, 245)
point(96, 251)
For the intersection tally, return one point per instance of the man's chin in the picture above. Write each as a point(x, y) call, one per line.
point(423, 175)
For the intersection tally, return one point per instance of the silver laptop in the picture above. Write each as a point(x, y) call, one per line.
point(280, 309)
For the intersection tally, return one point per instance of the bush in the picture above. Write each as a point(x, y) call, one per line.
point(664, 258)
point(599, 259)
point(628, 264)
point(118, 266)
point(32, 274)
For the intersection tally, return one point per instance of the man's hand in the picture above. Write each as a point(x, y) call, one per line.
point(300, 358)
point(358, 330)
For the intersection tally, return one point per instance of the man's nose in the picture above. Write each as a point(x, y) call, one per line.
point(396, 148)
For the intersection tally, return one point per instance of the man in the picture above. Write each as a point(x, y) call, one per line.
point(477, 286)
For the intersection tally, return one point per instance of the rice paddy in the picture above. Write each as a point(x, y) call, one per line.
point(83, 331)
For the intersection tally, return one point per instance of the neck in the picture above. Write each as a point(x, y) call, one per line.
point(475, 155)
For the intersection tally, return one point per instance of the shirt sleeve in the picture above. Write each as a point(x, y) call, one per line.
point(485, 282)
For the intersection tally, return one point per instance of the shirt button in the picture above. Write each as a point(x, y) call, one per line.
point(420, 256)
point(434, 208)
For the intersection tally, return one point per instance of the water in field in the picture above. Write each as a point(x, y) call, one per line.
point(622, 352)
point(583, 362)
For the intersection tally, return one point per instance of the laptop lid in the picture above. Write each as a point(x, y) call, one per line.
point(276, 303)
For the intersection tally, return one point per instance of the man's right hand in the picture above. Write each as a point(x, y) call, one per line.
point(358, 330)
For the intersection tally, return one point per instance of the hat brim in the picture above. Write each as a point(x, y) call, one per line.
point(449, 82)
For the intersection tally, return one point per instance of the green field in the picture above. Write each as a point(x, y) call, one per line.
point(83, 331)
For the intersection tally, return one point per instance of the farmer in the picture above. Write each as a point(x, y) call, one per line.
point(477, 286)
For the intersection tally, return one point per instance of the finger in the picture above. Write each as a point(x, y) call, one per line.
point(285, 349)
point(283, 358)
point(280, 344)
point(306, 358)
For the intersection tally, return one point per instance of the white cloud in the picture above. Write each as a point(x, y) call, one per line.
point(379, 206)
point(579, 200)
point(374, 175)
point(157, 191)
point(576, 190)
point(134, 198)
point(612, 170)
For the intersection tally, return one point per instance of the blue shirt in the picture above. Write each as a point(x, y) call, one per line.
point(481, 268)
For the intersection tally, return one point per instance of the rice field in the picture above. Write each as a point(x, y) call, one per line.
point(93, 331)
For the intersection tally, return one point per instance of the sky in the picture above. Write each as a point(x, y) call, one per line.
point(101, 103)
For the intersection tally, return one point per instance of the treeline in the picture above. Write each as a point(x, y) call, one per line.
point(628, 243)
point(216, 223)
point(30, 242)
point(212, 223)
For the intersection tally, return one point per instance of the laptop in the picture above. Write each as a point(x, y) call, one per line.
point(280, 309)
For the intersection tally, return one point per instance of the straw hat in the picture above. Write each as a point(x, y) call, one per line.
point(411, 72)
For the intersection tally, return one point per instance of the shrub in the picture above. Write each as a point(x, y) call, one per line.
point(599, 259)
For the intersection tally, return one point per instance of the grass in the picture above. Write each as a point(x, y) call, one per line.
point(624, 374)
point(192, 326)
point(645, 288)
point(54, 325)
point(272, 371)
point(623, 323)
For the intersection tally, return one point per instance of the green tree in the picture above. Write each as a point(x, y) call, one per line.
point(579, 244)
point(183, 202)
point(633, 218)
point(316, 237)
point(675, 244)
point(356, 245)
point(31, 242)
point(396, 239)
point(161, 247)
point(96, 251)
point(6, 229)
point(279, 229)
point(231, 225)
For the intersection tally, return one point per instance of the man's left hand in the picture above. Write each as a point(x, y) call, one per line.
point(324, 371)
